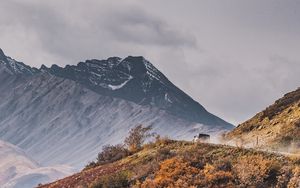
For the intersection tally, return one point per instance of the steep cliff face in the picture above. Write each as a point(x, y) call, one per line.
point(278, 126)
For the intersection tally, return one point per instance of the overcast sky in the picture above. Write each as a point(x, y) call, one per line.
point(235, 57)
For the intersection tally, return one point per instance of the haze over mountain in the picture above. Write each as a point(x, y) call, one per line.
point(64, 115)
point(18, 170)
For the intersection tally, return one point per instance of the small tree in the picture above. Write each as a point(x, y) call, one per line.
point(137, 137)
point(111, 153)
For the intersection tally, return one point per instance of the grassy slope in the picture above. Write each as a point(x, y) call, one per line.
point(277, 126)
point(225, 166)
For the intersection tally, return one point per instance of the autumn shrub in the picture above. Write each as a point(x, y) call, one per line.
point(158, 142)
point(295, 159)
point(162, 141)
point(174, 172)
point(90, 165)
point(286, 140)
point(116, 180)
point(295, 180)
point(164, 153)
point(197, 161)
point(111, 153)
point(255, 170)
point(149, 145)
point(142, 171)
point(216, 177)
point(284, 176)
point(297, 123)
point(197, 156)
point(223, 164)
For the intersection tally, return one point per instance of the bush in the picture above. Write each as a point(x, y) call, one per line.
point(90, 165)
point(214, 176)
point(295, 180)
point(141, 172)
point(223, 164)
point(284, 177)
point(158, 142)
point(173, 172)
point(162, 141)
point(256, 171)
point(137, 137)
point(163, 154)
point(116, 180)
point(111, 153)
point(286, 140)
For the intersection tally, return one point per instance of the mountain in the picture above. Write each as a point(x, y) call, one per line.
point(65, 115)
point(136, 79)
point(133, 78)
point(18, 170)
point(278, 126)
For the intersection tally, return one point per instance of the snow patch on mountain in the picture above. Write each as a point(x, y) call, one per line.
point(114, 87)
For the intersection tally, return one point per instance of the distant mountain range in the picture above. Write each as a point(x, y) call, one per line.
point(64, 115)
point(18, 170)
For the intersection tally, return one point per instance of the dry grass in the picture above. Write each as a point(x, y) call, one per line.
point(276, 128)
point(184, 164)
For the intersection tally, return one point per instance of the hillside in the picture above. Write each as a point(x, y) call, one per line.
point(168, 163)
point(278, 126)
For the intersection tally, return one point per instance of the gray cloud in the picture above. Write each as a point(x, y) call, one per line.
point(281, 72)
point(65, 31)
point(234, 57)
point(137, 27)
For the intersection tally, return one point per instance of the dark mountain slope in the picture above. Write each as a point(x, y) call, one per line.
point(137, 80)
